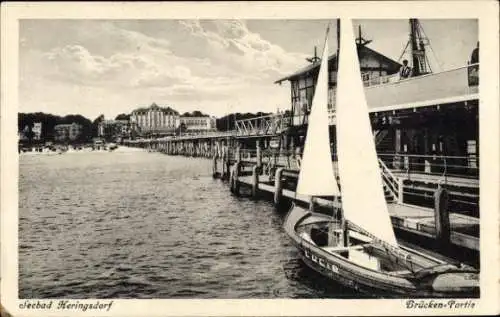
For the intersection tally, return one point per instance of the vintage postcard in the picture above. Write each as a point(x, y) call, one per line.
point(291, 158)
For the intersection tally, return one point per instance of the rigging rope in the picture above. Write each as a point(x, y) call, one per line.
point(432, 50)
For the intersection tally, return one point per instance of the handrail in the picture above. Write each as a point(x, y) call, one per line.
point(469, 66)
point(424, 155)
point(379, 80)
point(385, 168)
point(392, 182)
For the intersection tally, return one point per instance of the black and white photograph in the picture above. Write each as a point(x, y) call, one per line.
point(249, 158)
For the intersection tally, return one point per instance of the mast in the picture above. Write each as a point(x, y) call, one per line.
point(418, 42)
point(315, 58)
point(338, 44)
point(343, 221)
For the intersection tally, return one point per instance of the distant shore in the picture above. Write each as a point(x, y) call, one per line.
point(87, 149)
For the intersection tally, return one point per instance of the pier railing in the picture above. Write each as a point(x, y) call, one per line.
point(443, 167)
point(391, 92)
point(407, 178)
point(472, 76)
point(374, 81)
point(264, 125)
point(392, 182)
point(429, 89)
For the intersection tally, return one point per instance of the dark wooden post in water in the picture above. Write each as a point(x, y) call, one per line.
point(227, 163)
point(442, 216)
point(278, 186)
point(214, 166)
point(255, 181)
point(234, 182)
point(238, 153)
point(259, 156)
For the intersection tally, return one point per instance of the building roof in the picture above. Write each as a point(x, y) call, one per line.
point(332, 63)
point(196, 113)
point(154, 106)
point(66, 125)
point(110, 122)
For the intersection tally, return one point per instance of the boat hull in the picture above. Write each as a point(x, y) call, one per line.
point(352, 275)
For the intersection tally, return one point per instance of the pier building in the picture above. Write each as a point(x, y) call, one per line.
point(373, 67)
point(415, 120)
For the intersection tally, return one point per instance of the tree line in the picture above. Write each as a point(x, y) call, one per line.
point(25, 123)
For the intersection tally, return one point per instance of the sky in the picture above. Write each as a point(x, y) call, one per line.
point(94, 67)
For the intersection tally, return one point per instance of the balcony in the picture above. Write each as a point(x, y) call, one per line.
point(389, 93)
point(454, 85)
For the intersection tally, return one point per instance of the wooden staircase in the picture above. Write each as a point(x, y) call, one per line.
point(391, 184)
point(389, 196)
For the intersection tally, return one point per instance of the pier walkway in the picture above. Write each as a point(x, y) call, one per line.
point(411, 200)
point(413, 219)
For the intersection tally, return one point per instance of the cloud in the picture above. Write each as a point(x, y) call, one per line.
point(207, 62)
point(232, 42)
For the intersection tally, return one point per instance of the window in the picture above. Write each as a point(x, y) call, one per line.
point(302, 83)
point(333, 77)
point(331, 99)
point(310, 94)
point(472, 153)
point(303, 100)
point(309, 81)
point(365, 76)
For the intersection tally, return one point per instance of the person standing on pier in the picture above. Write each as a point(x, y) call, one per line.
point(474, 69)
point(405, 70)
point(474, 59)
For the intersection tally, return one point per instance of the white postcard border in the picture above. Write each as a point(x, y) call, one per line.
point(485, 11)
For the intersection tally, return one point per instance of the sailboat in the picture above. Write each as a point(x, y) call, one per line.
point(355, 245)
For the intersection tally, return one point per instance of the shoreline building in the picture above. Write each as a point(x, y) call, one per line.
point(196, 121)
point(113, 129)
point(37, 131)
point(67, 132)
point(154, 120)
point(157, 121)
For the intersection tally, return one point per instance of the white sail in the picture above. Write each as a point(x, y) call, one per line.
point(316, 176)
point(363, 200)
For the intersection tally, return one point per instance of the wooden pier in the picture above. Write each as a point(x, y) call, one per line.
point(463, 230)
point(274, 176)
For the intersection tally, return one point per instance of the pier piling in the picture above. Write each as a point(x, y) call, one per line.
point(235, 182)
point(442, 217)
point(255, 181)
point(214, 166)
point(259, 155)
point(238, 153)
point(278, 187)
